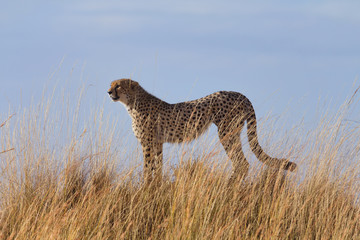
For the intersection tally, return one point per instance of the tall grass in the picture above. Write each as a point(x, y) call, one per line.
point(60, 180)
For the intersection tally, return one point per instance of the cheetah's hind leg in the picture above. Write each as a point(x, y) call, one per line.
point(230, 139)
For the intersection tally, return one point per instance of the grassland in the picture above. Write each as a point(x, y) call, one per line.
point(60, 180)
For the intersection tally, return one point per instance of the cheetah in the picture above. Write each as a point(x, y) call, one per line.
point(156, 122)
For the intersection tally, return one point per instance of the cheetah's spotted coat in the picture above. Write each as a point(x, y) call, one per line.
point(155, 122)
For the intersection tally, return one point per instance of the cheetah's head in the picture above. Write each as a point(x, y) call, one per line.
point(122, 90)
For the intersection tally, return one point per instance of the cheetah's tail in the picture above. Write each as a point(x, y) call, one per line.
point(259, 152)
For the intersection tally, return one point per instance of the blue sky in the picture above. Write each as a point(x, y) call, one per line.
point(283, 55)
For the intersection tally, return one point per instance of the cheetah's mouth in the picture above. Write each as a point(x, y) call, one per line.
point(115, 98)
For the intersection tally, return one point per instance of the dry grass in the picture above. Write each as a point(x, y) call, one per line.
point(68, 188)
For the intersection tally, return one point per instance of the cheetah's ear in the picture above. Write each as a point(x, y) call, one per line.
point(134, 84)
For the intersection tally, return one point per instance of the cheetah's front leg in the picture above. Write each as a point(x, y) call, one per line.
point(153, 160)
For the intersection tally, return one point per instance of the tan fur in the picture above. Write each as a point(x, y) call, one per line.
point(155, 122)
